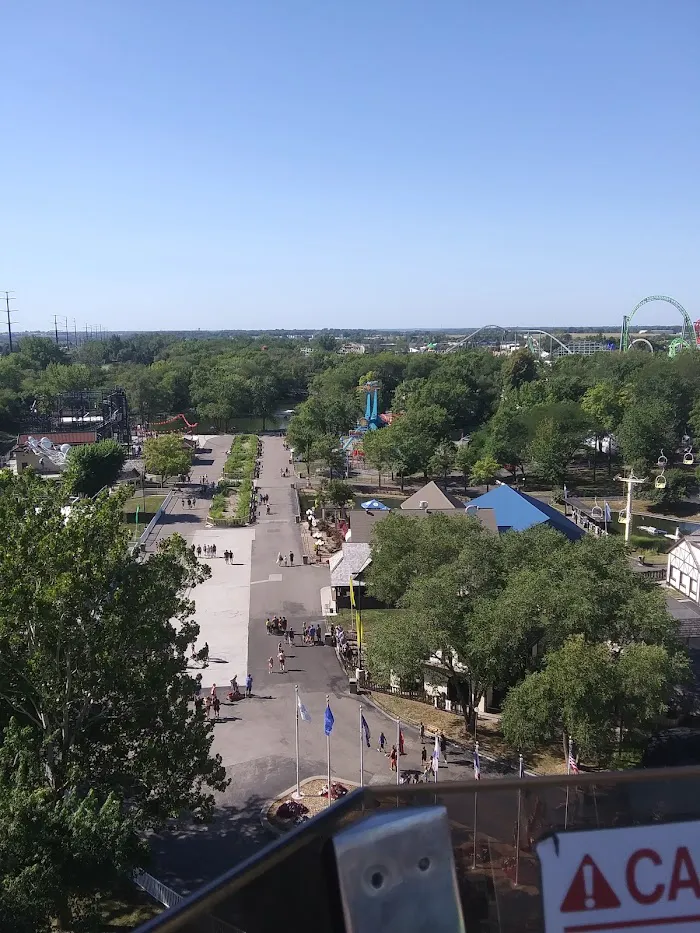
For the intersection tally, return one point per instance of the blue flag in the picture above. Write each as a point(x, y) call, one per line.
point(365, 729)
point(328, 721)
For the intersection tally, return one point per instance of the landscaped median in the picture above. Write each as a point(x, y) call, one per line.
point(286, 811)
point(230, 506)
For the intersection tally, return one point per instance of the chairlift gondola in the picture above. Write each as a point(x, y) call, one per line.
point(663, 460)
point(596, 511)
point(622, 516)
point(688, 457)
point(660, 481)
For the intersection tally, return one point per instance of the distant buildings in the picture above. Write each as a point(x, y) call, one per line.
point(352, 348)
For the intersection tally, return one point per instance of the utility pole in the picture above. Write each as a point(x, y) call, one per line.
point(55, 327)
point(8, 299)
point(631, 481)
point(75, 332)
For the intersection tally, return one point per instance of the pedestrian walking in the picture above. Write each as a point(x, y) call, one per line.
point(267, 509)
point(270, 665)
point(213, 550)
point(281, 659)
point(207, 704)
point(279, 559)
point(226, 557)
point(291, 636)
point(216, 704)
point(198, 703)
point(267, 626)
point(199, 550)
point(443, 747)
point(285, 561)
point(401, 748)
point(422, 734)
point(213, 691)
point(230, 557)
point(249, 685)
point(424, 755)
point(183, 502)
point(382, 743)
point(291, 558)
point(393, 758)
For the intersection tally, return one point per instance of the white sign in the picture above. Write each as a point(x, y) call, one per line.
point(641, 878)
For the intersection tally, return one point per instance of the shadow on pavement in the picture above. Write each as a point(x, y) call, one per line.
point(188, 856)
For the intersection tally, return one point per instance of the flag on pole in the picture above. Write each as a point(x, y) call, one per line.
point(303, 711)
point(571, 766)
point(521, 768)
point(328, 720)
point(477, 763)
point(365, 729)
point(608, 513)
point(436, 751)
point(566, 493)
point(352, 594)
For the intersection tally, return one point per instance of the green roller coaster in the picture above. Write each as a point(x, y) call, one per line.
point(687, 339)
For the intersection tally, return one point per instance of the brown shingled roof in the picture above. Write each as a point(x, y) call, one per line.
point(65, 437)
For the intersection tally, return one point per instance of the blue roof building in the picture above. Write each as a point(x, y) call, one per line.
point(516, 511)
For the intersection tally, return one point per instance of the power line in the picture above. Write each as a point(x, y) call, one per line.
point(8, 299)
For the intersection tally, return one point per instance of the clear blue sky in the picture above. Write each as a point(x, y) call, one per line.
point(289, 163)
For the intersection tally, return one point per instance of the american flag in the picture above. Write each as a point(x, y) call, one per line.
point(571, 766)
point(477, 763)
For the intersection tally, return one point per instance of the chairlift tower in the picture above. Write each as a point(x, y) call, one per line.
point(631, 481)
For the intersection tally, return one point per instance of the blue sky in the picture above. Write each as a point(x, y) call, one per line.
point(379, 163)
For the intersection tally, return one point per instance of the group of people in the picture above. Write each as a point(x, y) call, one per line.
point(212, 703)
point(285, 471)
point(313, 635)
point(281, 559)
point(190, 503)
point(277, 624)
point(209, 550)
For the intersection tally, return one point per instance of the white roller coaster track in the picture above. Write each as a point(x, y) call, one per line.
point(524, 331)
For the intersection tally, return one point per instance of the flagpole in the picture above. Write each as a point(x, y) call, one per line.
point(398, 751)
point(517, 831)
point(328, 752)
point(296, 731)
point(362, 752)
point(476, 798)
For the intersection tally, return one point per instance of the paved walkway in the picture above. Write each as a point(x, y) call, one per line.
point(255, 737)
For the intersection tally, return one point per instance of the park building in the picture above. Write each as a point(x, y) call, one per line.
point(683, 567)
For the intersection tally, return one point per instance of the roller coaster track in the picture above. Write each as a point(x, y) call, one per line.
point(175, 418)
point(527, 333)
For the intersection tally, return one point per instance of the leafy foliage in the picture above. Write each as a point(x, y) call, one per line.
point(166, 456)
point(92, 467)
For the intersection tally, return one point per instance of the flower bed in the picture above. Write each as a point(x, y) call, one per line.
point(230, 506)
point(286, 812)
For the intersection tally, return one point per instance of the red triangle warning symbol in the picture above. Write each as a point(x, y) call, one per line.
point(589, 890)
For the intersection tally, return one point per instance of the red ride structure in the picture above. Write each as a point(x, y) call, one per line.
point(174, 419)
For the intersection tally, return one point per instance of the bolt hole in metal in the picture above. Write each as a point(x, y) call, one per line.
point(424, 863)
point(376, 880)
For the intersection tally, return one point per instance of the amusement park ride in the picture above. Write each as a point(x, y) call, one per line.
point(543, 344)
point(352, 444)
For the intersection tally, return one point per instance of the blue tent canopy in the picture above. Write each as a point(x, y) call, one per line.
point(375, 505)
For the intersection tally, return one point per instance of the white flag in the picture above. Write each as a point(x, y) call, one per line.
point(303, 711)
point(436, 752)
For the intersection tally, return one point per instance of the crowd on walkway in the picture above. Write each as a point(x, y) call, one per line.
point(209, 550)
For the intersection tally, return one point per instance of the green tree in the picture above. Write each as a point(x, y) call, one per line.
point(340, 494)
point(92, 467)
point(604, 403)
point(508, 437)
point(443, 459)
point(467, 455)
point(166, 456)
point(679, 485)
point(557, 432)
point(518, 368)
point(302, 434)
point(378, 451)
point(415, 436)
point(327, 449)
point(646, 429)
point(94, 649)
point(484, 471)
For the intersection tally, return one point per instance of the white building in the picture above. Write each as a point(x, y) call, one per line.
point(683, 567)
point(352, 348)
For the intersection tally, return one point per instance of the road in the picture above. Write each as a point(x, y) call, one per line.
point(256, 737)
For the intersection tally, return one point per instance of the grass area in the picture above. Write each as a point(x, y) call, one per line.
point(147, 504)
point(489, 735)
point(128, 911)
point(231, 505)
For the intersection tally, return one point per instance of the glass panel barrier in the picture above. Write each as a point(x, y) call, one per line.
point(494, 826)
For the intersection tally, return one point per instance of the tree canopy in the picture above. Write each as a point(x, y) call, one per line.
point(94, 646)
point(93, 466)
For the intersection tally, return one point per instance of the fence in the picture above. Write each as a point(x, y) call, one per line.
point(154, 521)
point(168, 898)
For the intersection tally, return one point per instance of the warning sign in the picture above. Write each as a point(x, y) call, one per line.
point(637, 879)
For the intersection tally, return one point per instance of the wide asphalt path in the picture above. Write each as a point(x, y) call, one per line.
point(256, 737)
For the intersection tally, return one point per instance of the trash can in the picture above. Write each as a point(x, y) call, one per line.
point(353, 685)
point(304, 559)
